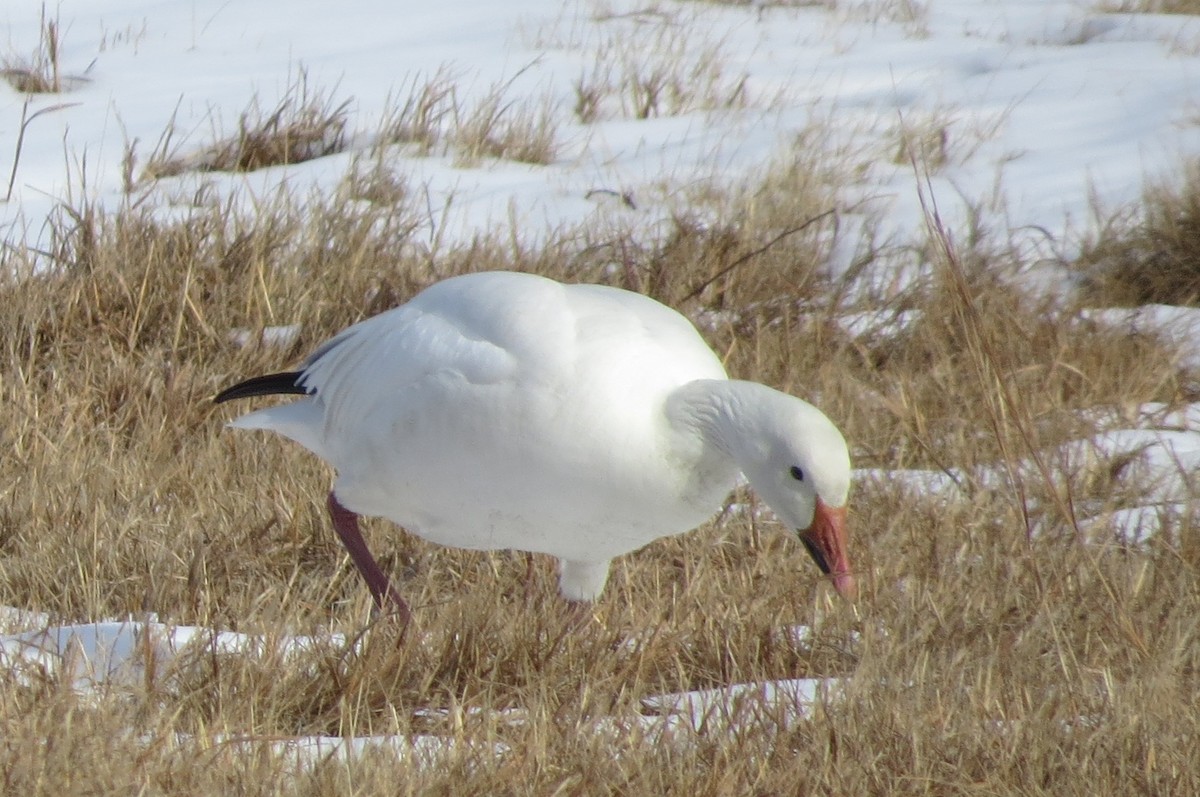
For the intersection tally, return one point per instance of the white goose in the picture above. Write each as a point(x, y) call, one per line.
point(501, 410)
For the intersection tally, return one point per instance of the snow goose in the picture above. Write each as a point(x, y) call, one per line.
point(501, 410)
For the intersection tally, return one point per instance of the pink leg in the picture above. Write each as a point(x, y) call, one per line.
point(345, 523)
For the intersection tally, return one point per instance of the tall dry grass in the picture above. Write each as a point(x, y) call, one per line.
point(1147, 254)
point(41, 71)
point(986, 661)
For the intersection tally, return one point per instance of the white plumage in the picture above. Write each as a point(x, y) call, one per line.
point(501, 410)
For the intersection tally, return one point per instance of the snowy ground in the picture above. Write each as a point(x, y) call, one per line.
point(1045, 105)
point(1047, 108)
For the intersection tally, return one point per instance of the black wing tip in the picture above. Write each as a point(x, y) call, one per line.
point(266, 385)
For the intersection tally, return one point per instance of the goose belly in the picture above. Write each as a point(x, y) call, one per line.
point(590, 495)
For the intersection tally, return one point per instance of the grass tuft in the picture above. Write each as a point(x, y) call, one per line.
point(642, 71)
point(1148, 255)
point(303, 126)
point(40, 73)
point(421, 119)
point(495, 127)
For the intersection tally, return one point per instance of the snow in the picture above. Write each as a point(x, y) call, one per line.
point(97, 656)
point(1052, 111)
point(784, 702)
point(310, 750)
point(1159, 459)
point(280, 336)
point(1047, 106)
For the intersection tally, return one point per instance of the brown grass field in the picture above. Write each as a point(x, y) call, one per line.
point(980, 659)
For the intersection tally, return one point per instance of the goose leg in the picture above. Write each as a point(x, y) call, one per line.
point(345, 523)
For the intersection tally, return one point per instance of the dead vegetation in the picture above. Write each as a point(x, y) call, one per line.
point(1150, 254)
point(304, 125)
point(497, 127)
point(1153, 6)
point(988, 659)
point(420, 119)
point(41, 72)
point(656, 67)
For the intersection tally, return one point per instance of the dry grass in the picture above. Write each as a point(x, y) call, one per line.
point(827, 4)
point(654, 64)
point(41, 72)
point(940, 137)
point(1153, 6)
point(420, 119)
point(305, 124)
point(1150, 254)
point(912, 15)
point(988, 662)
point(497, 127)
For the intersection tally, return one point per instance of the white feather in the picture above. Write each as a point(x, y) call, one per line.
point(502, 410)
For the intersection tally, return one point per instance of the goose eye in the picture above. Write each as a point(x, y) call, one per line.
point(797, 474)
